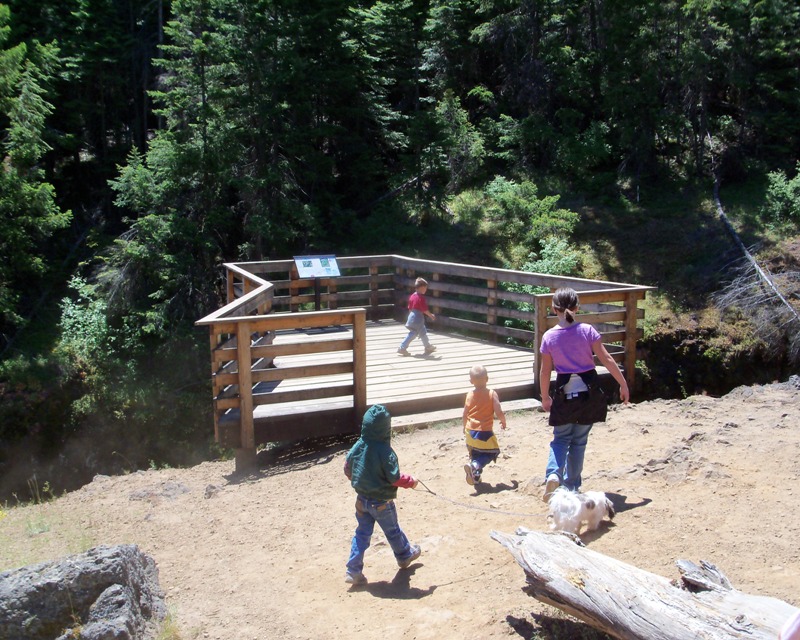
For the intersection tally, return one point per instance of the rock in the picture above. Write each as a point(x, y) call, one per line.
point(109, 592)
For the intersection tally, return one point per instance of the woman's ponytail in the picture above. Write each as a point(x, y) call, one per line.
point(566, 300)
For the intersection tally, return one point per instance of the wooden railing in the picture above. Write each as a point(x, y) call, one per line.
point(485, 302)
point(242, 354)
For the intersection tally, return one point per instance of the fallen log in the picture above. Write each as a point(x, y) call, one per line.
point(632, 604)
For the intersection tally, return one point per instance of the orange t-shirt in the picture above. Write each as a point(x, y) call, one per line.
point(480, 409)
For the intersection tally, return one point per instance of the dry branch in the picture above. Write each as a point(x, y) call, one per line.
point(631, 604)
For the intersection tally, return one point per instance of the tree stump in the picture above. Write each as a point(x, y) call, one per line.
point(632, 604)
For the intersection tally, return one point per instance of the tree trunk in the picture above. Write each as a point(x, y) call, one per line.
point(631, 604)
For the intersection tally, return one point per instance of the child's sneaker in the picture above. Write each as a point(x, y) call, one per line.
point(550, 486)
point(415, 553)
point(355, 579)
point(429, 349)
point(476, 472)
point(468, 474)
point(402, 352)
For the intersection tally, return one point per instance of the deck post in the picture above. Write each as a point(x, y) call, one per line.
point(491, 302)
point(359, 366)
point(246, 452)
point(399, 293)
point(540, 326)
point(436, 293)
point(630, 339)
point(245, 460)
point(373, 291)
point(333, 301)
point(231, 288)
point(293, 289)
point(215, 342)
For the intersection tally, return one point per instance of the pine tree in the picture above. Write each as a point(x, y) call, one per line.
point(28, 210)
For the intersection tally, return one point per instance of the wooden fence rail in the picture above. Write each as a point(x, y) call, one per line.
point(243, 374)
point(494, 304)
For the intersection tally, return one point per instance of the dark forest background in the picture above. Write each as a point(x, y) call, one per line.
point(147, 142)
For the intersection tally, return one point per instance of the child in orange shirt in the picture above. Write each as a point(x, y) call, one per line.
point(480, 408)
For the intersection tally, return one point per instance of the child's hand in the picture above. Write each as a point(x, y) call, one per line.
point(416, 482)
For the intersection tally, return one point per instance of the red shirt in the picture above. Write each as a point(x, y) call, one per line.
point(417, 302)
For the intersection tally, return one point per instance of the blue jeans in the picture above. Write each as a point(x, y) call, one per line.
point(368, 512)
point(416, 327)
point(566, 453)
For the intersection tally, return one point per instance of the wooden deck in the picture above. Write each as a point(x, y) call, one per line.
point(408, 384)
point(281, 372)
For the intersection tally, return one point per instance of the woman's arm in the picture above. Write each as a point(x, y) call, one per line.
point(545, 370)
point(608, 362)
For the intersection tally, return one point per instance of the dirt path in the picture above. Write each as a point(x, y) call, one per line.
point(263, 557)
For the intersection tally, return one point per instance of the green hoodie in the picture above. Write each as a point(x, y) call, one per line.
point(373, 464)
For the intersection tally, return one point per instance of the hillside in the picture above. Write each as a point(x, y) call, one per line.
point(263, 556)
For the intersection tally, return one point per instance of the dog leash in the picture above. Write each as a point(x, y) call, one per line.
point(475, 508)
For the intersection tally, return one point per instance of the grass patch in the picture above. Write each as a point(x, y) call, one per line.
point(36, 532)
point(169, 630)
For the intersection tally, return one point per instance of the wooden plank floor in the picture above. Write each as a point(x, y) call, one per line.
point(415, 383)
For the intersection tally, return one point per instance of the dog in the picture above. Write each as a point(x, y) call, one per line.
point(569, 510)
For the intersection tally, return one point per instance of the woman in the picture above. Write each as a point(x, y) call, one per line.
point(569, 348)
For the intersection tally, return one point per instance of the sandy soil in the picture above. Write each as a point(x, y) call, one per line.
point(263, 556)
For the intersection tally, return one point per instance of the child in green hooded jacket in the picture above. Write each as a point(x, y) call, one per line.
point(374, 472)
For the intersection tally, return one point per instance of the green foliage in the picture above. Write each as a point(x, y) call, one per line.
point(523, 216)
point(584, 151)
point(97, 406)
point(513, 218)
point(116, 394)
point(29, 214)
point(19, 371)
point(557, 257)
point(464, 144)
point(136, 186)
point(782, 205)
point(88, 347)
point(34, 419)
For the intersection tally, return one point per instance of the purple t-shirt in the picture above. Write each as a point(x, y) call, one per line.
point(570, 347)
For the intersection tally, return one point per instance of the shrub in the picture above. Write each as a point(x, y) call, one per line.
point(782, 206)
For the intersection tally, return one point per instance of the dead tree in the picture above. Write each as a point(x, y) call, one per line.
point(632, 604)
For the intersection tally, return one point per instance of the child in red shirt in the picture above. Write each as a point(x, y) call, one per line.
point(417, 311)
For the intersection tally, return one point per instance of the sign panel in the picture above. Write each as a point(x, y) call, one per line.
point(316, 266)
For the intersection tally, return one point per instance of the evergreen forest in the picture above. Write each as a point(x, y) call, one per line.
point(146, 142)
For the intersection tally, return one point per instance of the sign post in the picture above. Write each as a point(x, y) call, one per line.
point(317, 267)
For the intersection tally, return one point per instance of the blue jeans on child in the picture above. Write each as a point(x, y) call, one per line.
point(368, 512)
point(566, 453)
point(416, 327)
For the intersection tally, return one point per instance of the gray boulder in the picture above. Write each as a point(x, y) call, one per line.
point(107, 593)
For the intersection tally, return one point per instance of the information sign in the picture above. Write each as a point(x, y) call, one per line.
point(316, 266)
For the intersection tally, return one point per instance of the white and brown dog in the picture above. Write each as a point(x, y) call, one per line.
point(569, 510)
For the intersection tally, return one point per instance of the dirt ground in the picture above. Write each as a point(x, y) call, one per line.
point(263, 556)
